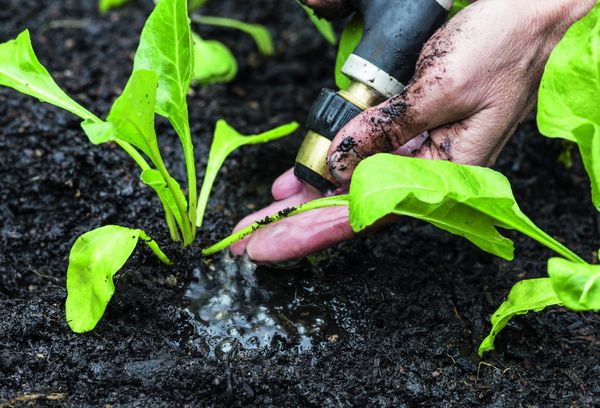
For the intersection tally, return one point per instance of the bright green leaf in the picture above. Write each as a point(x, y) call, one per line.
point(99, 132)
point(577, 285)
point(106, 5)
point(132, 114)
point(324, 26)
point(21, 70)
point(568, 97)
point(213, 62)
point(95, 258)
point(166, 48)
point(226, 139)
point(465, 200)
point(526, 296)
point(349, 40)
point(258, 32)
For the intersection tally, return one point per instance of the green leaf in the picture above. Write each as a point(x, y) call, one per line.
point(95, 258)
point(349, 40)
point(166, 48)
point(568, 96)
point(156, 181)
point(457, 6)
point(213, 62)
point(226, 139)
point(106, 5)
point(258, 32)
point(132, 114)
point(324, 26)
point(465, 200)
point(99, 132)
point(21, 70)
point(577, 285)
point(526, 296)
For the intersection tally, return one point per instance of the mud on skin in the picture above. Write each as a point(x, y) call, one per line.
point(404, 310)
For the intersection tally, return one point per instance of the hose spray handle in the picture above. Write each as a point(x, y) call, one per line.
point(380, 66)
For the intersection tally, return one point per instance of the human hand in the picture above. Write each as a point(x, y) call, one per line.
point(475, 80)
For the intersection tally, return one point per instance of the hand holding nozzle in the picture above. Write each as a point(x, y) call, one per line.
point(384, 60)
point(475, 80)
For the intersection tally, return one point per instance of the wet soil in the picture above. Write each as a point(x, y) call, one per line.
point(392, 319)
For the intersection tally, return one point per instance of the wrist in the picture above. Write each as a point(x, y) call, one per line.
point(556, 16)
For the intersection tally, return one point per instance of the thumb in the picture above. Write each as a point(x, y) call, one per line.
point(388, 126)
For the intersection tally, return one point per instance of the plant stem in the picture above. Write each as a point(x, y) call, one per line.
point(129, 149)
point(181, 206)
point(135, 155)
point(155, 248)
point(552, 244)
point(334, 201)
point(190, 167)
point(171, 223)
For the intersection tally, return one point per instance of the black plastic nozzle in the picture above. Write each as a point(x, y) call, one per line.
point(395, 31)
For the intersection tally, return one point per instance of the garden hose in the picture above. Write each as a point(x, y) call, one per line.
point(384, 60)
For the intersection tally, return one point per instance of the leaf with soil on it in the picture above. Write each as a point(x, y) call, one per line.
point(468, 201)
point(95, 258)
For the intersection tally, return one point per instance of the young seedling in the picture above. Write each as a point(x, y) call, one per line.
point(159, 84)
point(465, 200)
point(567, 109)
point(530, 295)
point(574, 285)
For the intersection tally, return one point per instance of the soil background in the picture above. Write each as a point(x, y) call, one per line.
point(409, 306)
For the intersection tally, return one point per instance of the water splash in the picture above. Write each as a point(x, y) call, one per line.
point(237, 306)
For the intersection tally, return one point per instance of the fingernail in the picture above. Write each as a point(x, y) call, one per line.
point(338, 165)
point(333, 159)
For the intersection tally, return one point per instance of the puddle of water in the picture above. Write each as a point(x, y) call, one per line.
point(236, 305)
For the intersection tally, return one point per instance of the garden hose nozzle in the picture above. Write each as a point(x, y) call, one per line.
point(384, 60)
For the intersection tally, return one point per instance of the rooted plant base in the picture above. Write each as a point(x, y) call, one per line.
point(403, 311)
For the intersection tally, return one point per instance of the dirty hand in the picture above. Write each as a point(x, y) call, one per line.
point(475, 80)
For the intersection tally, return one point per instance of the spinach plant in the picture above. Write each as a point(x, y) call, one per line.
point(159, 84)
point(464, 200)
point(567, 109)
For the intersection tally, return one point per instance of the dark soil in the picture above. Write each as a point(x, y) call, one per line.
point(396, 317)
